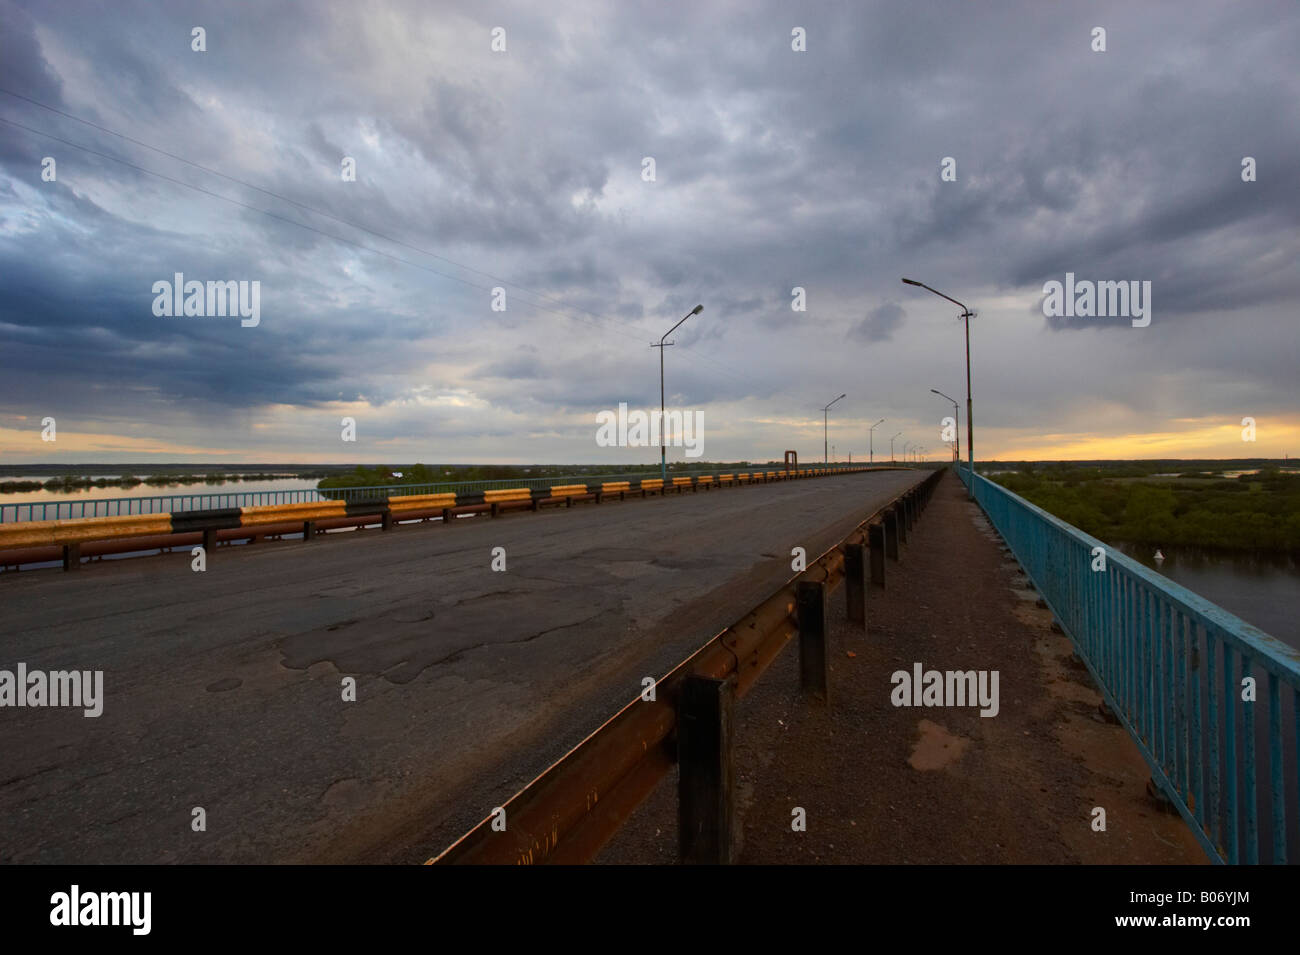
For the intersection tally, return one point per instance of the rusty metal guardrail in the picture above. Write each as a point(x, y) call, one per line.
point(572, 809)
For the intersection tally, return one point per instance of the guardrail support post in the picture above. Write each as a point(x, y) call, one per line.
point(891, 533)
point(876, 545)
point(900, 520)
point(72, 556)
point(386, 520)
point(811, 609)
point(855, 589)
point(308, 531)
point(209, 541)
point(704, 791)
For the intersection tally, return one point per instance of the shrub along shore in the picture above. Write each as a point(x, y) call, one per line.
point(1252, 512)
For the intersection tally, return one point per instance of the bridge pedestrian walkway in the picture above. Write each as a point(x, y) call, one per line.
point(885, 783)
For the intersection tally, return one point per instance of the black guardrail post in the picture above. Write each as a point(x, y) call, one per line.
point(900, 520)
point(308, 531)
point(876, 545)
point(704, 790)
point(811, 604)
point(855, 583)
point(890, 518)
point(72, 556)
point(209, 542)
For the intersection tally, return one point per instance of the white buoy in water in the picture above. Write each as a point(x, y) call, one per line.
point(1159, 556)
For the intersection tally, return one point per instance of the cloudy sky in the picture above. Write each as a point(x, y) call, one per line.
point(525, 169)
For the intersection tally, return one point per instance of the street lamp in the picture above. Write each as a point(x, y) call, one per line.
point(956, 417)
point(825, 433)
point(906, 445)
point(870, 438)
point(966, 314)
point(663, 448)
point(891, 448)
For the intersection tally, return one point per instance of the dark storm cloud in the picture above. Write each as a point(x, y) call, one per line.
point(879, 323)
point(774, 170)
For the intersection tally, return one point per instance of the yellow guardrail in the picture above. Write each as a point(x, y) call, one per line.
point(42, 533)
point(568, 490)
point(27, 534)
point(279, 513)
point(504, 494)
point(420, 502)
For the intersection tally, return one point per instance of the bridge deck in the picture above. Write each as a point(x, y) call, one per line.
point(883, 784)
point(223, 688)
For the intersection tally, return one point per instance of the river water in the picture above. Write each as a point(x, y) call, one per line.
point(111, 492)
point(1263, 590)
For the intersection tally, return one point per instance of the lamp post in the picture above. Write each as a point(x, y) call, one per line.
point(966, 314)
point(663, 448)
point(871, 434)
point(906, 445)
point(891, 448)
point(825, 411)
point(956, 417)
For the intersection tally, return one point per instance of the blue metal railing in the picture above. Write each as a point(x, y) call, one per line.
point(172, 503)
point(1176, 670)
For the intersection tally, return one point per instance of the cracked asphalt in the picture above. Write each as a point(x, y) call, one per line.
point(224, 689)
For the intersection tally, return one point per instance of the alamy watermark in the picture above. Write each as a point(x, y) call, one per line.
point(128, 909)
point(194, 299)
point(641, 429)
point(1088, 299)
point(946, 688)
point(83, 688)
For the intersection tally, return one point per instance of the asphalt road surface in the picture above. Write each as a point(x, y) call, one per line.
point(223, 690)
